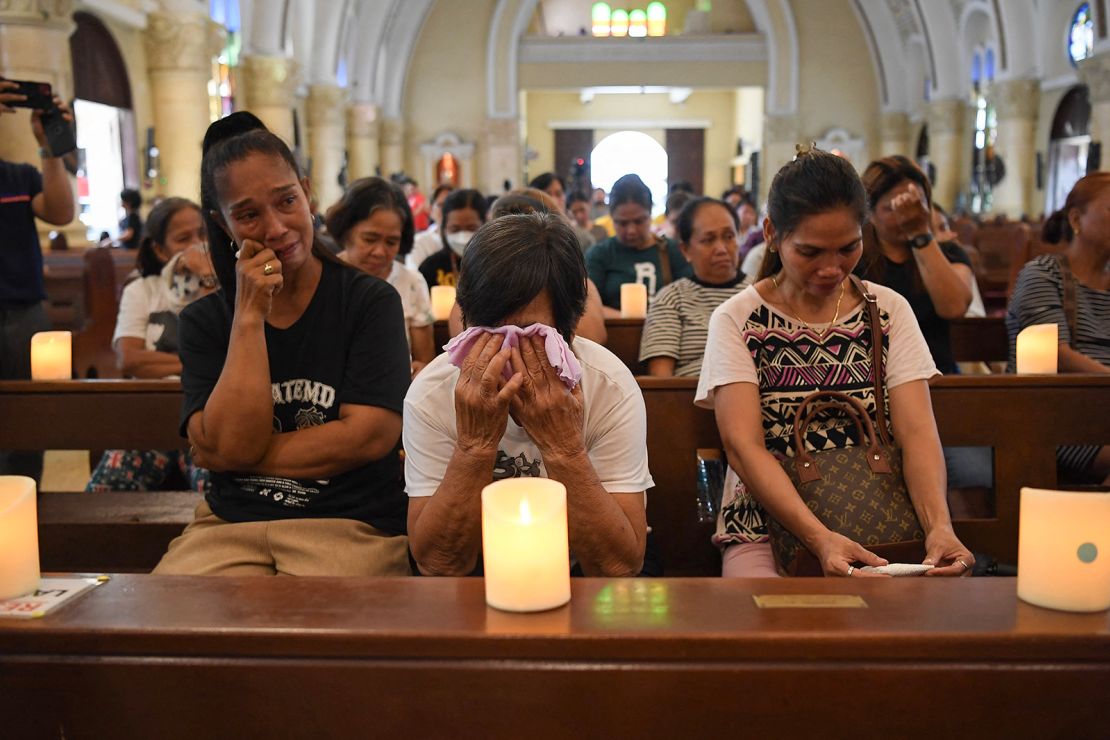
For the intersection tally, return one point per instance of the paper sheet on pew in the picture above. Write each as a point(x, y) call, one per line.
point(51, 594)
point(899, 569)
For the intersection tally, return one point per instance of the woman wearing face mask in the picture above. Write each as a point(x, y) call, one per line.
point(373, 224)
point(464, 212)
point(634, 255)
point(175, 271)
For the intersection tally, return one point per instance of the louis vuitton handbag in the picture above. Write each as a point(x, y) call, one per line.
point(859, 491)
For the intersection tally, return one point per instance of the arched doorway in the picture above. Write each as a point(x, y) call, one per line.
point(106, 143)
point(1068, 146)
point(631, 152)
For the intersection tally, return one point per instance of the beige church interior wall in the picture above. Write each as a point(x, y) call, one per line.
point(716, 107)
point(1050, 100)
point(841, 94)
point(446, 86)
point(587, 74)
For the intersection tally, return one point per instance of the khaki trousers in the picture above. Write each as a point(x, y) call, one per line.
point(291, 547)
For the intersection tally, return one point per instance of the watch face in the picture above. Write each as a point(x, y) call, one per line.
point(920, 240)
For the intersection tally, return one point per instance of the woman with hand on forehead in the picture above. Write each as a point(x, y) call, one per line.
point(294, 376)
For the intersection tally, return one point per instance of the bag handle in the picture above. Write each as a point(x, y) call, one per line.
point(815, 403)
point(664, 259)
point(1071, 306)
point(874, 324)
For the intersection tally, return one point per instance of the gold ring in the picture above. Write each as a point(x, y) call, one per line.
point(965, 565)
point(851, 570)
point(267, 269)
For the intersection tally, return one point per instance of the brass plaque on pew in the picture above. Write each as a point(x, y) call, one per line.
point(809, 601)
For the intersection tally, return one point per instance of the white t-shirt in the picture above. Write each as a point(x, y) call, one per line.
point(615, 427)
point(415, 299)
point(147, 311)
point(424, 246)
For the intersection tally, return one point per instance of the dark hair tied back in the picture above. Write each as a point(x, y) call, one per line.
point(154, 233)
point(1056, 228)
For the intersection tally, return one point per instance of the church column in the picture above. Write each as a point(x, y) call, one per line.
point(363, 131)
point(894, 128)
point(1095, 72)
point(269, 84)
point(780, 138)
point(179, 51)
point(34, 41)
point(327, 113)
point(501, 155)
point(393, 146)
point(1016, 102)
point(946, 145)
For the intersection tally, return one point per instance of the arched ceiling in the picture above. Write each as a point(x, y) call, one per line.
point(910, 41)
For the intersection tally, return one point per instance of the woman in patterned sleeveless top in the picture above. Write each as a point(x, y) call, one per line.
point(799, 329)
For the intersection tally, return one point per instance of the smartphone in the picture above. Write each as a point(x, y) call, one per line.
point(40, 95)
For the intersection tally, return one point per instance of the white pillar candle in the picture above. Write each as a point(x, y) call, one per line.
point(633, 301)
point(1064, 550)
point(524, 544)
point(19, 537)
point(52, 355)
point(443, 299)
point(1037, 347)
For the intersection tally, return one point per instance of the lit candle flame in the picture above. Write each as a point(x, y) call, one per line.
point(525, 512)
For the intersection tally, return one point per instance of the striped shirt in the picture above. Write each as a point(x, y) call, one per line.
point(678, 322)
point(1039, 299)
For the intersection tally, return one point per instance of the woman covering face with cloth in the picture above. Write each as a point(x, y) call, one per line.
point(294, 375)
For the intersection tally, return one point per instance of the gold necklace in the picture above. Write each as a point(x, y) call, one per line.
point(794, 314)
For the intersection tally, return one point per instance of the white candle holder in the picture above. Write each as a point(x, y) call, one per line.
point(19, 537)
point(525, 548)
point(52, 355)
point(634, 300)
point(1037, 349)
point(443, 300)
point(1064, 550)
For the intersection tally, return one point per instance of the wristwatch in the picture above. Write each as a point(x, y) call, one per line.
point(45, 153)
point(919, 241)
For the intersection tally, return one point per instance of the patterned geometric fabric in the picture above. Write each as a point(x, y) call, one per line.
point(794, 361)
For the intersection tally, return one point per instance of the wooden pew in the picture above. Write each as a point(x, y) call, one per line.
point(181, 657)
point(1023, 418)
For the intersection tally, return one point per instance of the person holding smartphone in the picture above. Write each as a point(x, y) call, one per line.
point(26, 193)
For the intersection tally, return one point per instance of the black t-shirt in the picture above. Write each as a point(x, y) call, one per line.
point(900, 278)
point(21, 282)
point(133, 222)
point(349, 346)
point(440, 268)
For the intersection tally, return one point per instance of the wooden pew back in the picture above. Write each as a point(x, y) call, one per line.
point(1023, 418)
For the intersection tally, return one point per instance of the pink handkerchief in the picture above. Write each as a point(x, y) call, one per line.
point(558, 351)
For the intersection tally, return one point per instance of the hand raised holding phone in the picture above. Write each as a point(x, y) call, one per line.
point(258, 277)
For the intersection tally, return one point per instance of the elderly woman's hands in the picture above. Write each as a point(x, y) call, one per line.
point(945, 551)
point(482, 395)
point(552, 415)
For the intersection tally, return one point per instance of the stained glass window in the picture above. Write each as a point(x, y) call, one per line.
point(1081, 37)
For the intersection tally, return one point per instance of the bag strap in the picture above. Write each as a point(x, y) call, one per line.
point(1071, 306)
point(874, 323)
point(664, 260)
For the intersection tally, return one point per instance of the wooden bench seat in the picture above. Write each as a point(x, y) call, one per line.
point(1024, 418)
